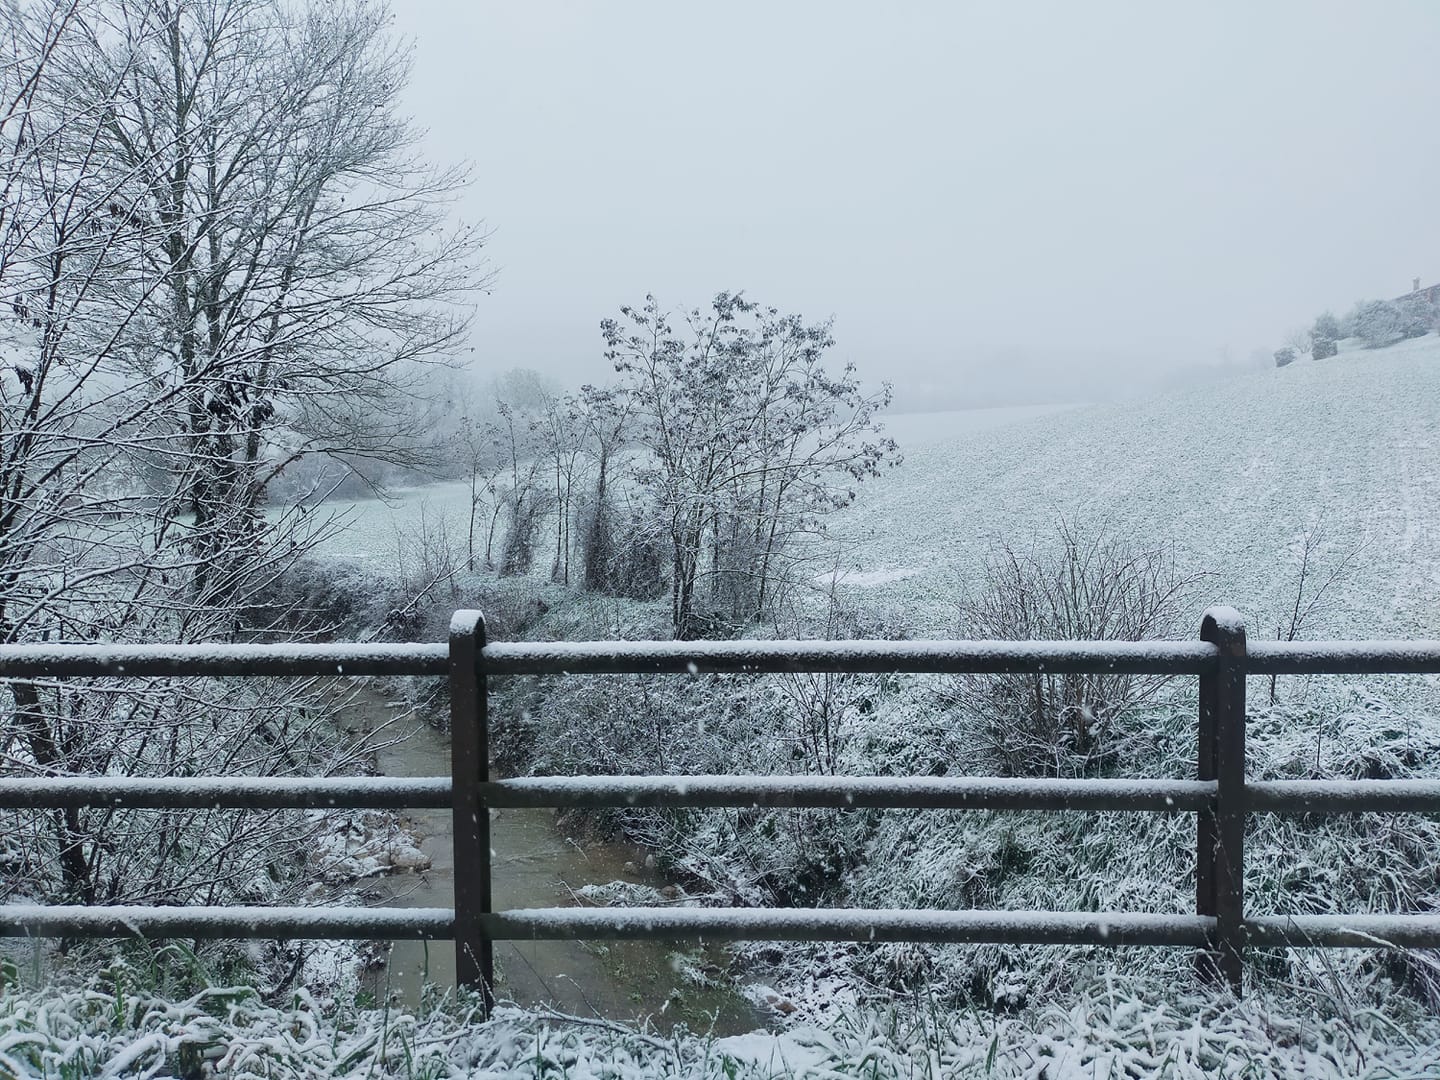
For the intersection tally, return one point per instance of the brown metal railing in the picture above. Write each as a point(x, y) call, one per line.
point(1220, 796)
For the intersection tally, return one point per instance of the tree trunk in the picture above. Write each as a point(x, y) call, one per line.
point(76, 884)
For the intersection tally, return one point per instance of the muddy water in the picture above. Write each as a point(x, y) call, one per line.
point(536, 866)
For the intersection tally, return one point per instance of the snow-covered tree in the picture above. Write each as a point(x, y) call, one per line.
point(217, 255)
point(296, 257)
point(1326, 326)
point(1377, 323)
point(1417, 316)
point(749, 443)
point(605, 418)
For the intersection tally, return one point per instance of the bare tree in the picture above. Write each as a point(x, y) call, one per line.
point(1298, 339)
point(605, 417)
point(59, 257)
point(507, 439)
point(561, 432)
point(215, 248)
point(1312, 581)
point(474, 443)
point(523, 498)
point(299, 245)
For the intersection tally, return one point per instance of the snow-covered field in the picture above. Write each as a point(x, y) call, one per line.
point(371, 530)
point(1234, 472)
point(371, 527)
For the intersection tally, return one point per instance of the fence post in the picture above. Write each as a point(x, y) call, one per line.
point(1220, 831)
point(469, 767)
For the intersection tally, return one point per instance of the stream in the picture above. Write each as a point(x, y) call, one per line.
point(536, 866)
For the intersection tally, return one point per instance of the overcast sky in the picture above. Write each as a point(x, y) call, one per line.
point(1000, 201)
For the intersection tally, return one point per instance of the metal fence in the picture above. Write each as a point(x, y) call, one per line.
point(1219, 795)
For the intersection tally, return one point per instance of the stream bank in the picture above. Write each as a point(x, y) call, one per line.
point(536, 866)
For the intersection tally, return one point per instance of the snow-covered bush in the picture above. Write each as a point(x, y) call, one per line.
point(1136, 862)
point(1379, 323)
point(1326, 326)
point(1322, 348)
point(325, 596)
point(1284, 357)
point(518, 553)
point(622, 555)
point(1080, 585)
point(1417, 316)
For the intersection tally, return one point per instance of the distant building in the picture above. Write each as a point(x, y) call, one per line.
point(1430, 294)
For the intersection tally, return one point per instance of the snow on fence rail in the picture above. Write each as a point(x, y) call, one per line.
point(49, 661)
point(1219, 796)
point(978, 657)
point(228, 792)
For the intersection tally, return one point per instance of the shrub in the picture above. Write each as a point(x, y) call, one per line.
point(1322, 348)
point(518, 554)
point(1284, 356)
point(1417, 317)
point(1081, 587)
point(324, 597)
point(597, 544)
point(1378, 323)
point(1326, 326)
point(640, 565)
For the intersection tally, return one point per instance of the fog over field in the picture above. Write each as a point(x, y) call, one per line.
point(999, 203)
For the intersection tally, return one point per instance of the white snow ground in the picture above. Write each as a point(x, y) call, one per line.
point(1232, 471)
point(116, 1030)
point(371, 526)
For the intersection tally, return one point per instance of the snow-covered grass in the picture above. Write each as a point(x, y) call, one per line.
point(1234, 473)
point(112, 1028)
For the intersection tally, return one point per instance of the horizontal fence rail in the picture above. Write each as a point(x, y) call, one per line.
point(692, 657)
point(118, 921)
point(1342, 658)
point(839, 924)
point(53, 661)
point(717, 924)
point(228, 793)
point(906, 657)
point(1220, 796)
point(928, 793)
point(810, 792)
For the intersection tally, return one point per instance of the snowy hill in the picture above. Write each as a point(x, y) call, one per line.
point(1233, 472)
